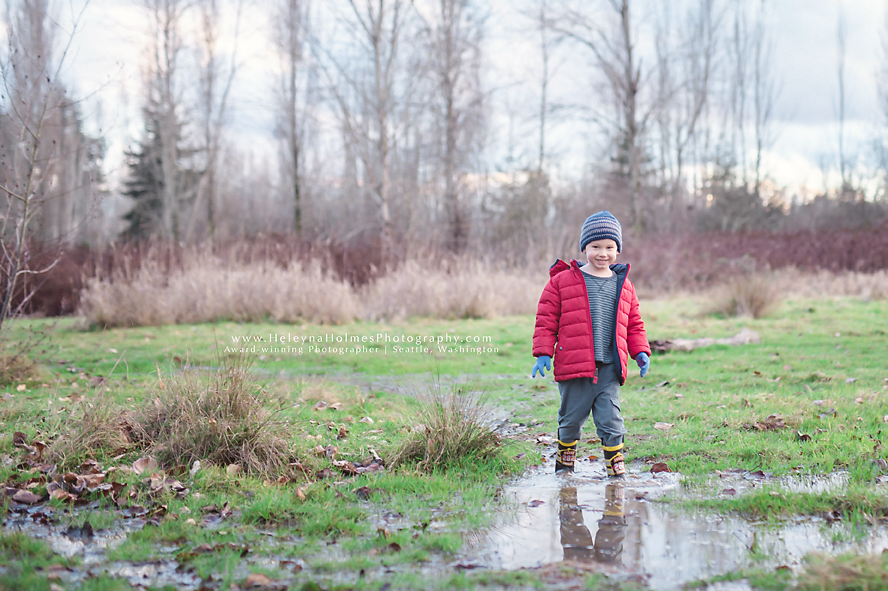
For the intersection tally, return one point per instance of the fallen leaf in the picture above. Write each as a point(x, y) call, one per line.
point(803, 436)
point(850, 380)
point(347, 467)
point(257, 580)
point(660, 467)
point(343, 432)
point(366, 420)
point(290, 565)
point(147, 464)
point(663, 426)
point(335, 406)
point(729, 491)
point(194, 468)
point(234, 469)
point(772, 423)
point(25, 497)
point(592, 458)
point(321, 405)
point(535, 503)
point(61, 495)
point(882, 464)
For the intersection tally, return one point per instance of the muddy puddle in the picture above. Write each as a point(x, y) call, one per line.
point(624, 528)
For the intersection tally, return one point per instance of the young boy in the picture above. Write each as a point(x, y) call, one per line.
point(591, 314)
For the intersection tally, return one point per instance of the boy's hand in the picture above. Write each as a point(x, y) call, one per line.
point(541, 362)
point(644, 363)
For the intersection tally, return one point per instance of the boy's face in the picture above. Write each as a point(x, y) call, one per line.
point(602, 253)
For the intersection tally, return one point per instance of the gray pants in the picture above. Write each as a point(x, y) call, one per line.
point(580, 396)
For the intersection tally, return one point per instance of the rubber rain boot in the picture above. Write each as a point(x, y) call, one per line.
point(566, 456)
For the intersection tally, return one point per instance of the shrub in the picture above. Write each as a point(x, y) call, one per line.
point(219, 417)
point(751, 295)
point(450, 429)
point(96, 426)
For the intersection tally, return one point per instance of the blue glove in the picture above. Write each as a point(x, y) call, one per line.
point(541, 362)
point(644, 362)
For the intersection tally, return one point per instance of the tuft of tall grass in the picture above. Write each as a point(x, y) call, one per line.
point(754, 295)
point(16, 367)
point(96, 426)
point(451, 429)
point(202, 287)
point(219, 417)
point(205, 288)
point(868, 286)
point(849, 572)
point(459, 288)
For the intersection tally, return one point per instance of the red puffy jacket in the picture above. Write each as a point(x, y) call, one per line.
point(563, 317)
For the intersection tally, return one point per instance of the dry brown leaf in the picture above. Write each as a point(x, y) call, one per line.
point(772, 423)
point(26, 497)
point(234, 469)
point(147, 464)
point(257, 580)
point(663, 426)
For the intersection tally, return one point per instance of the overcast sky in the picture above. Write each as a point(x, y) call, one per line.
point(107, 60)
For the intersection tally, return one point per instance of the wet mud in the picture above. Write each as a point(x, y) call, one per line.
point(623, 528)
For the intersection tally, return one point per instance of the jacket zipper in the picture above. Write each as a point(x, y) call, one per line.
point(622, 281)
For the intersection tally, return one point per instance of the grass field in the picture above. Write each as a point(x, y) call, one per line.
point(810, 399)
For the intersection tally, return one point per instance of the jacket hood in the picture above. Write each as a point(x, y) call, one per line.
point(559, 265)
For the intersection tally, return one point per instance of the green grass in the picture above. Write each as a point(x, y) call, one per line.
point(24, 558)
point(714, 397)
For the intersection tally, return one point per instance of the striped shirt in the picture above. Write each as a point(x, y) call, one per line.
point(602, 293)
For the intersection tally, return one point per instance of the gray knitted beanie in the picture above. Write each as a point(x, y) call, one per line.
point(599, 226)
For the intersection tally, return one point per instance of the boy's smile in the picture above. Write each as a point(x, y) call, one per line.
point(601, 254)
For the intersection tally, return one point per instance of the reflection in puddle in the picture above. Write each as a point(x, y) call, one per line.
point(615, 526)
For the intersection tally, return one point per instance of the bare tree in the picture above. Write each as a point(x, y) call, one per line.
point(290, 35)
point(30, 161)
point(840, 47)
point(455, 32)
point(545, 48)
point(366, 93)
point(166, 100)
point(613, 47)
point(683, 87)
point(740, 57)
point(215, 82)
point(765, 92)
